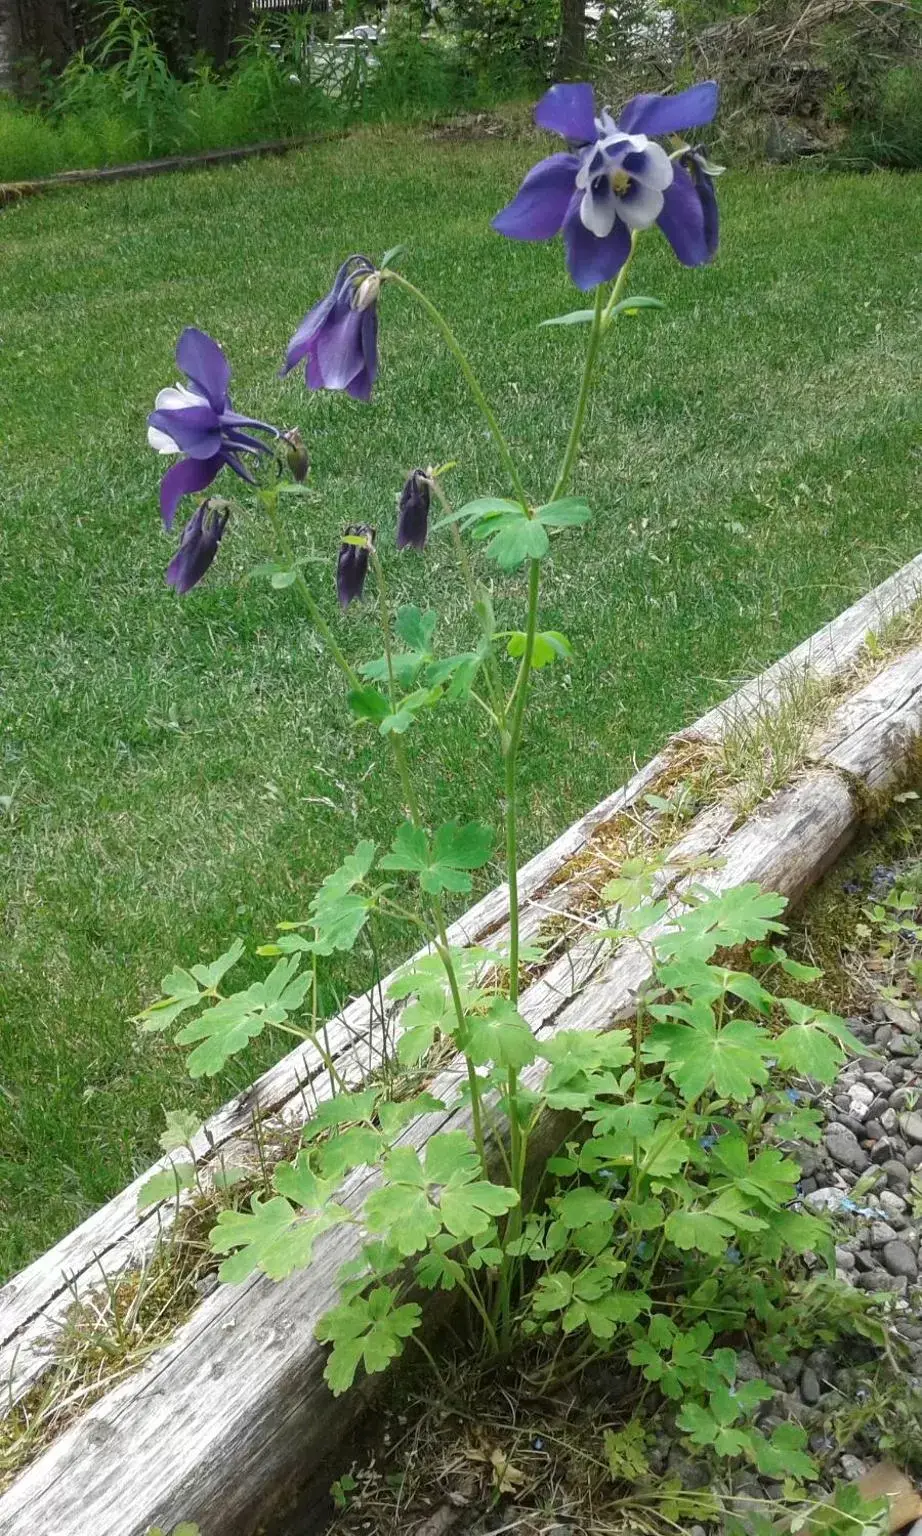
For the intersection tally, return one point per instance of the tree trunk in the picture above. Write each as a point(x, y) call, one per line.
point(218, 25)
point(39, 30)
point(572, 38)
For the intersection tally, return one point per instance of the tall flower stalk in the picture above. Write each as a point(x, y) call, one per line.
point(612, 184)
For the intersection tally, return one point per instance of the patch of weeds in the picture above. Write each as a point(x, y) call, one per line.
point(108, 1333)
point(858, 924)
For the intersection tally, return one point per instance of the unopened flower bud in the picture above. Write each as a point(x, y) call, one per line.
point(296, 455)
point(352, 565)
point(413, 511)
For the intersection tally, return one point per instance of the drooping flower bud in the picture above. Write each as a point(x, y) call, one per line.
point(413, 511)
point(199, 544)
point(296, 454)
point(352, 564)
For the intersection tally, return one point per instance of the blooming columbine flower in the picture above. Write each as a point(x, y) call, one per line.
point(199, 544)
point(352, 565)
point(613, 180)
point(339, 337)
point(197, 420)
point(413, 512)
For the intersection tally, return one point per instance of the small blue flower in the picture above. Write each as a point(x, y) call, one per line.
point(338, 339)
point(707, 1142)
point(615, 179)
point(197, 421)
point(732, 1255)
point(793, 1094)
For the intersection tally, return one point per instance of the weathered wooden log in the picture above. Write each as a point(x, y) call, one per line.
point(220, 1418)
point(12, 191)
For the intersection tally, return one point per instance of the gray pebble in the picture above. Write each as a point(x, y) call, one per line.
point(902, 1046)
point(911, 1126)
point(889, 1120)
point(897, 1175)
point(873, 1131)
point(879, 1081)
point(844, 1149)
point(691, 1474)
point(844, 1259)
point(851, 1123)
point(879, 1280)
point(894, 1070)
point(748, 1367)
point(883, 1150)
point(899, 1259)
point(827, 1199)
point(914, 1157)
point(852, 1467)
point(901, 1098)
point(865, 1259)
point(809, 1386)
point(881, 1233)
point(892, 1204)
point(884, 1034)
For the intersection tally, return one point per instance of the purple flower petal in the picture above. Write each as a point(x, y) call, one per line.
point(204, 364)
point(704, 186)
point(682, 220)
point(304, 335)
point(568, 110)
point(184, 478)
point(360, 385)
point(195, 431)
point(539, 207)
point(338, 349)
point(593, 259)
point(653, 115)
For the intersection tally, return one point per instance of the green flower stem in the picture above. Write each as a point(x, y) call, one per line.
point(454, 346)
point(510, 765)
point(269, 501)
point(494, 682)
point(413, 809)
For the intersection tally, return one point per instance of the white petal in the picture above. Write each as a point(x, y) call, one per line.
point(658, 171)
point(598, 210)
point(642, 208)
point(178, 399)
point(161, 442)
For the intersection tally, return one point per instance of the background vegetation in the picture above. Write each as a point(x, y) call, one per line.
point(101, 82)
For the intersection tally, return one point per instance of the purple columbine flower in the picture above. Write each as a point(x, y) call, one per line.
point(352, 565)
point(413, 512)
point(196, 420)
point(338, 339)
point(199, 544)
point(612, 181)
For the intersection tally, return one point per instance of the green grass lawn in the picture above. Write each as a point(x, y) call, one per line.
point(183, 770)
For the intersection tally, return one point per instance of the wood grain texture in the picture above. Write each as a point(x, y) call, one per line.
point(215, 1422)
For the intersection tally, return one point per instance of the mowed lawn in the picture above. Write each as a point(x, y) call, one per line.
point(182, 771)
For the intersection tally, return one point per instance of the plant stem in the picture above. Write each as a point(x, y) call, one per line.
point(579, 415)
point(269, 501)
point(494, 682)
point(412, 803)
point(457, 351)
point(510, 765)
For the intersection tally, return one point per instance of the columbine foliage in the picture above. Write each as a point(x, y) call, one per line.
point(672, 1168)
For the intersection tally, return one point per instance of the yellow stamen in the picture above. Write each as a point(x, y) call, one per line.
point(620, 182)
